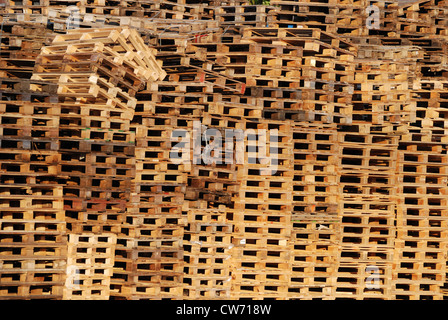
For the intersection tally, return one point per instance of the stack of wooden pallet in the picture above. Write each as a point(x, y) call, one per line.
point(90, 261)
point(152, 258)
point(97, 73)
point(207, 253)
point(33, 242)
point(20, 45)
point(254, 16)
point(212, 181)
point(26, 10)
point(280, 73)
point(274, 76)
point(420, 264)
point(135, 9)
point(367, 209)
point(154, 225)
point(315, 223)
point(261, 257)
point(382, 109)
point(421, 268)
point(334, 16)
point(320, 80)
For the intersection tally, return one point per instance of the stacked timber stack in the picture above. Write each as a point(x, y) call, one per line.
point(209, 208)
point(273, 76)
point(297, 14)
point(153, 266)
point(178, 34)
point(415, 22)
point(64, 18)
point(96, 89)
point(382, 111)
point(32, 222)
point(207, 101)
point(351, 17)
